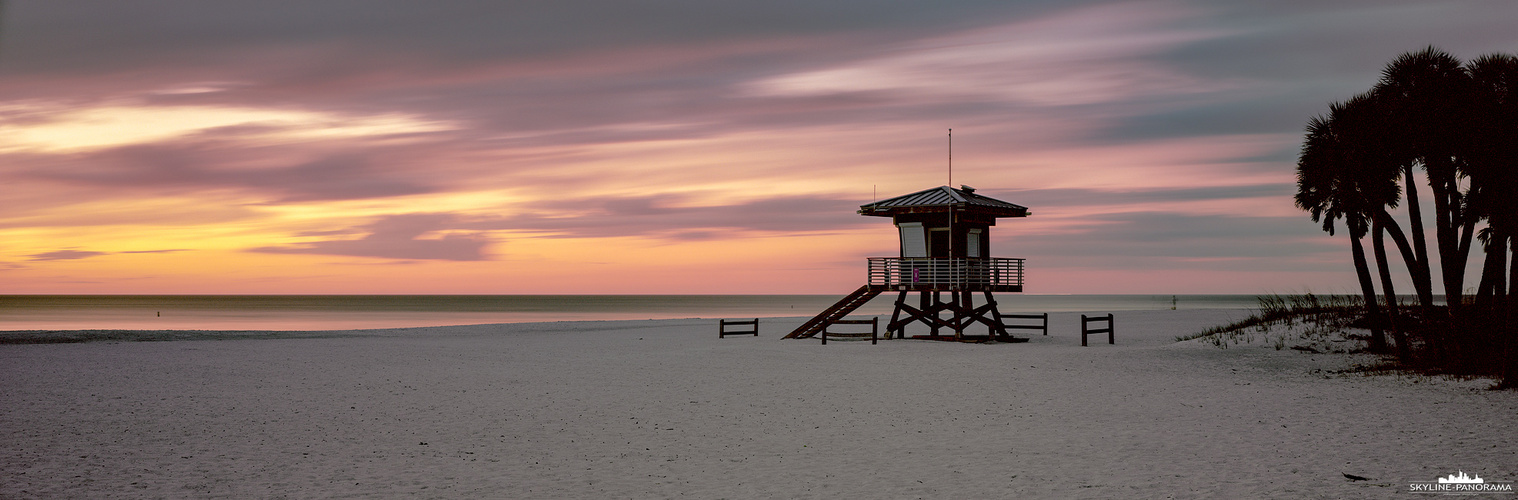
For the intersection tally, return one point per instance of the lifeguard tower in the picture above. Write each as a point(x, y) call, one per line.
point(945, 249)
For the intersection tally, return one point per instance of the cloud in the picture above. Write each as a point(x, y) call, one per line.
point(1080, 56)
point(72, 254)
point(172, 250)
point(1166, 240)
point(280, 174)
point(133, 34)
point(1150, 132)
point(72, 128)
point(66, 255)
point(678, 218)
point(1100, 199)
point(399, 237)
point(459, 237)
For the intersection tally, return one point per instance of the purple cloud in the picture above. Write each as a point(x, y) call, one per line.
point(396, 237)
point(201, 166)
point(669, 216)
point(607, 96)
point(85, 254)
point(66, 255)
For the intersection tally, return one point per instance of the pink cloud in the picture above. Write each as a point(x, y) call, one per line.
point(1155, 135)
point(399, 237)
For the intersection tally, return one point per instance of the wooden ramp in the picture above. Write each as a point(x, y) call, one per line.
point(838, 311)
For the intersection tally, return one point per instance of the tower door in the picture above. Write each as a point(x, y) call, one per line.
point(938, 242)
point(914, 243)
point(972, 243)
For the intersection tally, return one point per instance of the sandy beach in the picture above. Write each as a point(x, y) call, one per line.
point(663, 409)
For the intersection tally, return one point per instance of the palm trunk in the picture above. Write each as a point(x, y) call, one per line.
point(1493, 271)
point(1422, 284)
point(1500, 290)
point(1441, 180)
point(1367, 287)
point(1387, 289)
point(1463, 253)
point(1511, 351)
point(1419, 269)
point(1512, 279)
point(1509, 304)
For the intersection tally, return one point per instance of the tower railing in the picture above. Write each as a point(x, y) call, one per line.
point(946, 272)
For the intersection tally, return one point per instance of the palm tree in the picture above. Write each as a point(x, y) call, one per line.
point(1459, 123)
point(1493, 164)
point(1427, 96)
point(1336, 180)
point(1494, 168)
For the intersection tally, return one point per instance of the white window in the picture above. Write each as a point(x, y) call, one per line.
point(972, 243)
point(914, 243)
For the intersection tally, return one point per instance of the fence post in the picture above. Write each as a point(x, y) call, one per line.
point(1111, 330)
point(1083, 330)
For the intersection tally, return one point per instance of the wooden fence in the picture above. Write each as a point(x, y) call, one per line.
point(1087, 330)
point(874, 333)
point(722, 325)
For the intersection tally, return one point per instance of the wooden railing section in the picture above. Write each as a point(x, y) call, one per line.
point(1042, 326)
point(1086, 328)
point(942, 271)
point(723, 324)
point(873, 334)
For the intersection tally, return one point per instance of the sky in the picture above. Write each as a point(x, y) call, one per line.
point(670, 147)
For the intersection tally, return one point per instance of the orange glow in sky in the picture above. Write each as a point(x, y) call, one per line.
point(557, 148)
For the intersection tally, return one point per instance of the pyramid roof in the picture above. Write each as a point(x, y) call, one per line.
point(940, 199)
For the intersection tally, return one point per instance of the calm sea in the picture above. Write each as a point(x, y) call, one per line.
point(340, 312)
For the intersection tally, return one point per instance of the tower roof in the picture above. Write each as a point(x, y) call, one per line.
point(940, 199)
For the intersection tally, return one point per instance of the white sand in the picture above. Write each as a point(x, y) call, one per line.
point(666, 409)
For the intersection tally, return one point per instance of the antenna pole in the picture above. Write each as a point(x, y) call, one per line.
point(951, 157)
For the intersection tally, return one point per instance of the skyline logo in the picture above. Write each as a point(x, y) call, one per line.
point(1460, 484)
point(1461, 479)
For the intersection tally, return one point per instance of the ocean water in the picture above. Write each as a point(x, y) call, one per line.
point(342, 312)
